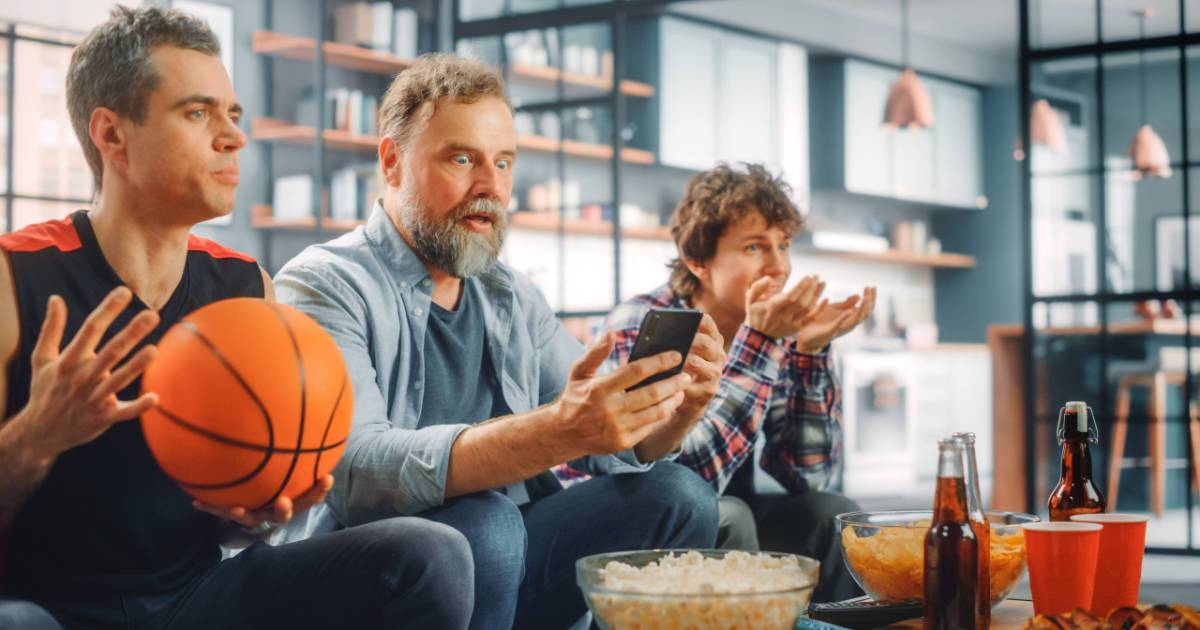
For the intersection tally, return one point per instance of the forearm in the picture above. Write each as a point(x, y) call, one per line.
point(667, 439)
point(24, 467)
point(508, 450)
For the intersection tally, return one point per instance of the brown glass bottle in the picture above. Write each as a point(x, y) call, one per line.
point(979, 524)
point(1075, 493)
point(951, 549)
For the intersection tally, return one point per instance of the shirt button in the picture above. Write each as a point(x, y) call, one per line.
point(417, 386)
point(425, 283)
point(417, 311)
point(403, 284)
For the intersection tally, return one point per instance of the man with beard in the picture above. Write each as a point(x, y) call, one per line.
point(465, 392)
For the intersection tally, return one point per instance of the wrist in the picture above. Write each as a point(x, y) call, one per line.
point(560, 430)
point(23, 435)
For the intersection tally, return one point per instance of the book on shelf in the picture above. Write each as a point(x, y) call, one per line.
point(377, 26)
point(352, 189)
point(293, 197)
point(353, 111)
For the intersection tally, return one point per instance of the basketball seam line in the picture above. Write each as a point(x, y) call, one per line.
point(303, 403)
point(329, 423)
point(250, 446)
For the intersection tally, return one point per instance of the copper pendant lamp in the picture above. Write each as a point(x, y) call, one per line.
point(908, 103)
point(1149, 154)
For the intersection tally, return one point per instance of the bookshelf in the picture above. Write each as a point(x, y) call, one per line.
point(339, 55)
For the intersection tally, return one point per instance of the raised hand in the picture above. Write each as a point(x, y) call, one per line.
point(73, 392)
point(778, 313)
point(830, 321)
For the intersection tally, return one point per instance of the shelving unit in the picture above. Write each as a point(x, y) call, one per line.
point(549, 76)
point(276, 130)
point(550, 222)
point(337, 54)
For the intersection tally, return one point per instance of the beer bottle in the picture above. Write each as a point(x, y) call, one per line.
point(951, 549)
point(1076, 493)
point(982, 529)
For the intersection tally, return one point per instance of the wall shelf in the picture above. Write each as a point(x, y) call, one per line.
point(276, 130)
point(548, 75)
point(337, 54)
point(550, 222)
point(263, 216)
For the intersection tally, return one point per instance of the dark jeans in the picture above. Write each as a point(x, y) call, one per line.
point(395, 573)
point(799, 523)
point(525, 557)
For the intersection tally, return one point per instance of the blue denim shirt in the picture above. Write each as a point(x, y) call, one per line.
point(372, 294)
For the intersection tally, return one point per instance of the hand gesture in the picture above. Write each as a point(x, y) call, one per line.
point(777, 313)
point(831, 321)
point(600, 416)
point(73, 392)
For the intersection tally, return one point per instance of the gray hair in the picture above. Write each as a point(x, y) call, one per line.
point(111, 68)
point(415, 94)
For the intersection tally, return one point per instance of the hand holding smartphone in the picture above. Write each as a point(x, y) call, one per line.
point(664, 330)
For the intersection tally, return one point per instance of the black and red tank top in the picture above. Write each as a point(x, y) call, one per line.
point(106, 520)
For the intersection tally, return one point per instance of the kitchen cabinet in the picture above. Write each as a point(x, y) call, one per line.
point(722, 97)
point(941, 165)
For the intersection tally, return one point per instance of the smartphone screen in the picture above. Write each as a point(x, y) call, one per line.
point(663, 330)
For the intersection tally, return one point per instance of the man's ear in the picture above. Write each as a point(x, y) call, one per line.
point(698, 268)
point(391, 162)
point(106, 131)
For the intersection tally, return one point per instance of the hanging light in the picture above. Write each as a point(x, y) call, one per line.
point(1147, 150)
point(1046, 128)
point(908, 103)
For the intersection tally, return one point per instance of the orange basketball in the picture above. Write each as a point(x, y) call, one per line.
point(254, 403)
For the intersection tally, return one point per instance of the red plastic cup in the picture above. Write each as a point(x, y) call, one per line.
point(1119, 566)
point(1062, 564)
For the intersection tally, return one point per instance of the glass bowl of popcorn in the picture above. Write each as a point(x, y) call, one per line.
point(667, 589)
point(885, 552)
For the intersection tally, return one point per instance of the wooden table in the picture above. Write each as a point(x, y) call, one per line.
point(1011, 614)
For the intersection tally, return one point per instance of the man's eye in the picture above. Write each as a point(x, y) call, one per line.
point(783, 247)
point(752, 248)
point(197, 114)
point(503, 165)
point(462, 159)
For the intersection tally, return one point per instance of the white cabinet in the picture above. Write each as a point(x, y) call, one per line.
point(726, 96)
point(688, 101)
point(940, 165)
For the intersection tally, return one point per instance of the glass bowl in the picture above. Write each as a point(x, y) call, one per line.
point(885, 552)
point(621, 598)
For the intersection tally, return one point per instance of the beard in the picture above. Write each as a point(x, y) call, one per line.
point(448, 245)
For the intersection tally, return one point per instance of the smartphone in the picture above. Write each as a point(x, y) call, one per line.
point(663, 330)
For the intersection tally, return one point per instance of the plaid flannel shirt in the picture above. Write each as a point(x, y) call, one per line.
point(767, 385)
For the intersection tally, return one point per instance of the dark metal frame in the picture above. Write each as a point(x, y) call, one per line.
point(1028, 56)
point(10, 37)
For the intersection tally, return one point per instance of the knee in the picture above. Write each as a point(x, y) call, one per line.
point(430, 562)
point(26, 616)
point(830, 504)
point(677, 490)
point(495, 529)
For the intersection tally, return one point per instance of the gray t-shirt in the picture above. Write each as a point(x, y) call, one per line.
point(460, 381)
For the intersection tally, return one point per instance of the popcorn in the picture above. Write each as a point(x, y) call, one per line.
point(692, 592)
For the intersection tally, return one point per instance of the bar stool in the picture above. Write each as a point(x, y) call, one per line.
point(1156, 384)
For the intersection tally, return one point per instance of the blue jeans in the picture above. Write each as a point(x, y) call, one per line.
point(395, 573)
point(525, 557)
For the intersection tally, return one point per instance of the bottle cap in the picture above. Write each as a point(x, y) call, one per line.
point(1084, 418)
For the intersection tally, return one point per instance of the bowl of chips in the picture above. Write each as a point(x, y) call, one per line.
point(696, 590)
point(885, 552)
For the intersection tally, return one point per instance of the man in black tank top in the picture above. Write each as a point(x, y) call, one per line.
point(92, 532)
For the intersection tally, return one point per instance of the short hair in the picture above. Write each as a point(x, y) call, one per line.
point(111, 68)
point(712, 201)
point(415, 94)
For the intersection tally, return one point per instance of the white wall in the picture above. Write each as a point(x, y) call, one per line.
point(71, 15)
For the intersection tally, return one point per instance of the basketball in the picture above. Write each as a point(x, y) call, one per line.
point(254, 403)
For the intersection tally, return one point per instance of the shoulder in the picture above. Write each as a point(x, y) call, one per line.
point(58, 234)
point(216, 250)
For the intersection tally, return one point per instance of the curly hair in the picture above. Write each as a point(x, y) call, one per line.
point(717, 198)
point(413, 97)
